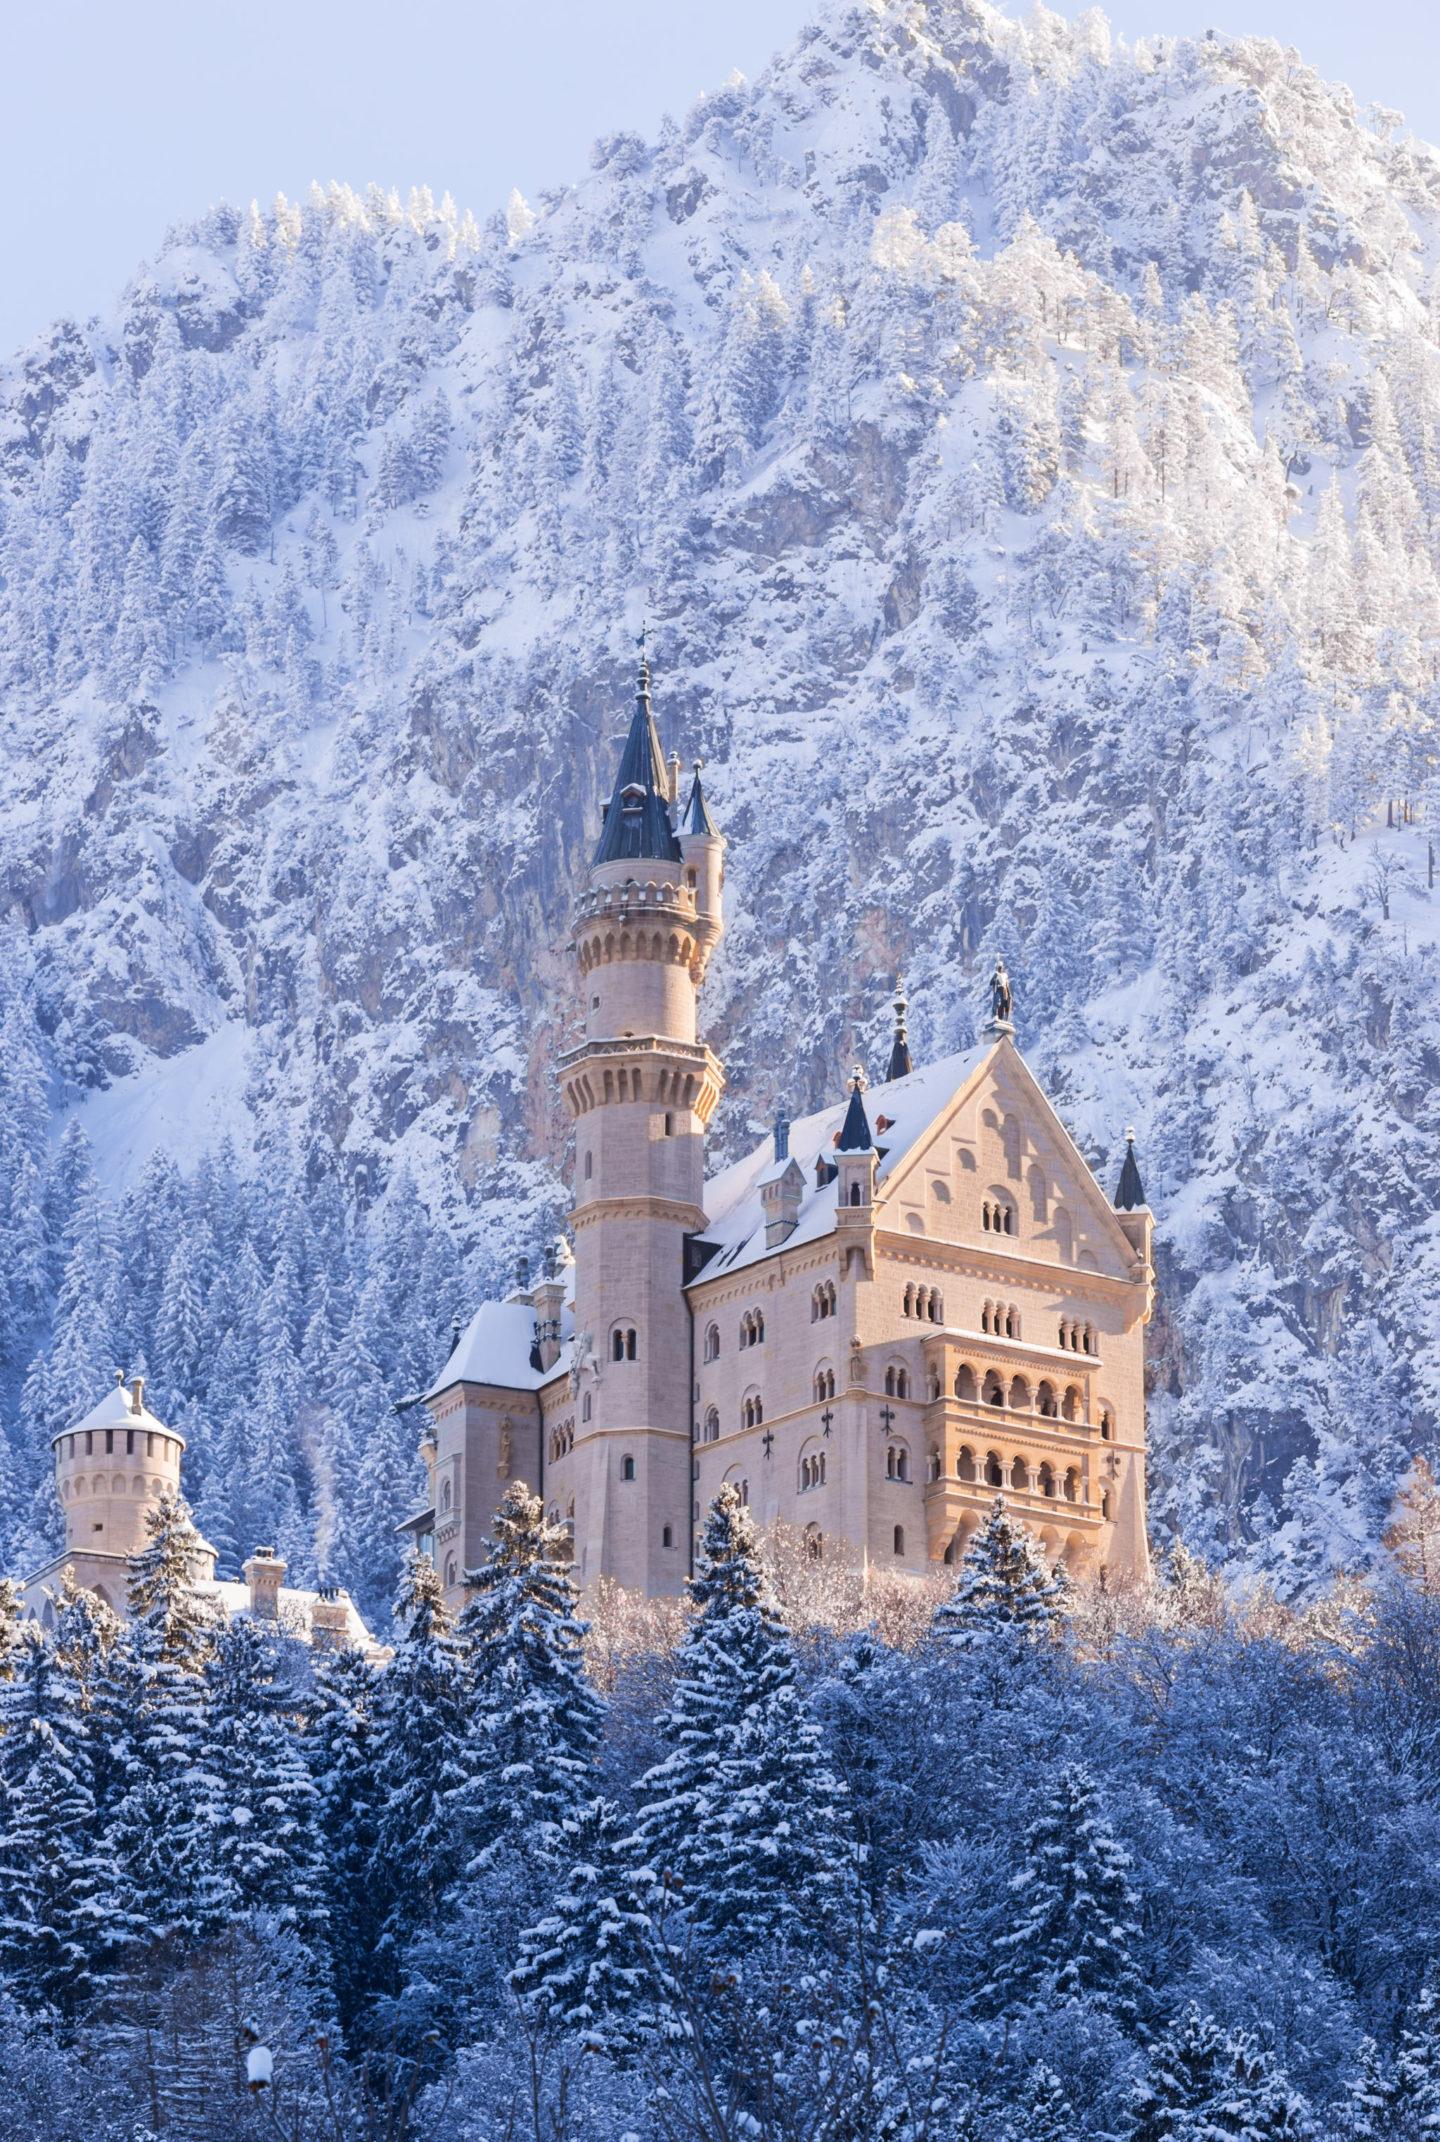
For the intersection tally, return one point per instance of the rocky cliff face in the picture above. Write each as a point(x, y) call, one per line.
point(1026, 454)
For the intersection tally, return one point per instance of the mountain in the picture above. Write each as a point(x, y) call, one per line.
point(1025, 451)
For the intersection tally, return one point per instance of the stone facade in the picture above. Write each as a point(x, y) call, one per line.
point(892, 1311)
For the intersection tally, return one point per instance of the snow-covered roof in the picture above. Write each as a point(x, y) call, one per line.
point(115, 1410)
point(296, 1611)
point(495, 1346)
point(735, 1213)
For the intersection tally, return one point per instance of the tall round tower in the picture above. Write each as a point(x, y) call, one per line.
point(641, 1089)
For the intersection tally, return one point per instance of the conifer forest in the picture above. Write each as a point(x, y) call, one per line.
point(1023, 449)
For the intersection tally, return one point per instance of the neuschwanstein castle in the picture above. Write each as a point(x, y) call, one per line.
point(875, 1322)
point(884, 1316)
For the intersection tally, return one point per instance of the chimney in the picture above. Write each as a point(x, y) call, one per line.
point(265, 1573)
point(137, 1394)
point(549, 1299)
point(522, 1277)
point(674, 779)
point(330, 1618)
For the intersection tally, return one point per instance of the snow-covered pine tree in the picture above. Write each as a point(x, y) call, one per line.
point(177, 1623)
point(422, 1717)
point(1004, 1586)
point(1075, 1915)
point(745, 1814)
point(1044, 2113)
point(1201, 2086)
point(61, 1922)
point(340, 1746)
point(594, 1964)
point(259, 1803)
point(535, 1722)
point(10, 1611)
point(1417, 2064)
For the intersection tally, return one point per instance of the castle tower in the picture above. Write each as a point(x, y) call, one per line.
point(111, 1469)
point(641, 1089)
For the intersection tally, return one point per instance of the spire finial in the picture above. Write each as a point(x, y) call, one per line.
point(900, 1063)
point(642, 681)
point(857, 1081)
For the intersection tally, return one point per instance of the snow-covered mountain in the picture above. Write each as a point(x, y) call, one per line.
point(1026, 453)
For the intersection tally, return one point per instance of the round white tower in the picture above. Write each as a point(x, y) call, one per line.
point(111, 1469)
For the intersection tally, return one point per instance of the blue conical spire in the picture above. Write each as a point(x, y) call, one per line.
point(855, 1134)
point(637, 819)
point(1130, 1192)
point(697, 817)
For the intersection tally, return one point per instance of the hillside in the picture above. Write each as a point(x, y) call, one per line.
point(1025, 451)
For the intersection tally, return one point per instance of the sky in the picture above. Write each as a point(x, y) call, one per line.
point(117, 120)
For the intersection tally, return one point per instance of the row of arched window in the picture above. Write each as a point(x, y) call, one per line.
point(1079, 1338)
point(1002, 1319)
point(897, 1462)
point(752, 1411)
point(812, 1471)
point(752, 1328)
point(926, 1303)
point(997, 1217)
point(562, 1439)
point(622, 1343)
point(822, 1301)
point(1016, 1473)
point(897, 1382)
point(824, 1383)
point(75, 1490)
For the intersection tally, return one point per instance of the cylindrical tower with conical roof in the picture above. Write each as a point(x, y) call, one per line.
point(641, 1089)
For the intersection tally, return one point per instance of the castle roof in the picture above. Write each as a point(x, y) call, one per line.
point(735, 1213)
point(855, 1130)
point(697, 817)
point(117, 1410)
point(637, 818)
point(497, 1345)
point(1130, 1192)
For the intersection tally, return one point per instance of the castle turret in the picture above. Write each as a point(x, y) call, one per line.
point(111, 1470)
point(641, 1089)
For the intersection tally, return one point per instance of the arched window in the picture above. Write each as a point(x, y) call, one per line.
point(824, 1383)
point(627, 1468)
point(855, 1193)
point(622, 1343)
point(1019, 1394)
point(994, 1470)
point(1071, 1407)
point(1019, 1474)
point(932, 1465)
point(965, 1465)
point(710, 1427)
point(667, 1537)
point(897, 1462)
point(445, 1496)
point(1072, 1485)
point(712, 1342)
point(994, 1392)
point(897, 1382)
point(589, 1166)
point(752, 1412)
point(1045, 1401)
point(1105, 1508)
point(812, 1470)
point(1047, 1481)
point(585, 1407)
point(899, 1539)
point(937, 1307)
point(1107, 1425)
point(909, 1309)
point(449, 1569)
point(965, 1382)
point(814, 1543)
point(822, 1301)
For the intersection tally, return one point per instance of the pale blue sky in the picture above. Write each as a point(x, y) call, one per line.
point(115, 119)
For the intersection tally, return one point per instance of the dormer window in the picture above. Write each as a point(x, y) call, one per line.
point(632, 797)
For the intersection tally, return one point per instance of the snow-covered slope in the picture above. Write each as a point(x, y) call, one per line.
point(1026, 452)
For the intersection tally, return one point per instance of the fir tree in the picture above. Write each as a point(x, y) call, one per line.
point(744, 1814)
point(1003, 1588)
point(340, 1746)
point(536, 1719)
point(161, 1589)
point(259, 1811)
point(1201, 2086)
point(421, 1735)
point(60, 1920)
point(1075, 1913)
point(1417, 2064)
point(594, 1964)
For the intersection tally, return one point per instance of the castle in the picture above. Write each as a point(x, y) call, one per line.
point(111, 1470)
point(884, 1316)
